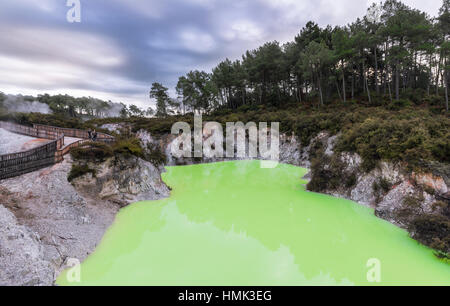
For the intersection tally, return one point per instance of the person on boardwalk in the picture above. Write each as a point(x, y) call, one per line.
point(94, 135)
point(90, 134)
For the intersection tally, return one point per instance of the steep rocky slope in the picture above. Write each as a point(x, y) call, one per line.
point(123, 181)
point(22, 259)
point(45, 220)
point(415, 200)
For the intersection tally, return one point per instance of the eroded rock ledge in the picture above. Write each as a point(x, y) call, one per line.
point(123, 181)
point(44, 219)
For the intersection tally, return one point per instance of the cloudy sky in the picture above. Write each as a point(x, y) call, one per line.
point(121, 46)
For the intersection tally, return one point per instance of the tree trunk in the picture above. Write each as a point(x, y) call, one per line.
point(390, 92)
point(320, 91)
point(367, 83)
point(353, 86)
point(343, 85)
point(388, 72)
point(363, 75)
point(437, 75)
point(386, 67)
point(397, 81)
point(429, 75)
point(376, 72)
point(446, 89)
point(339, 91)
point(415, 69)
point(264, 88)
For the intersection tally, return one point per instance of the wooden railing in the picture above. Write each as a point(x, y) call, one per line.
point(73, 132)
point(30, 131)
point(60, 153)
point(16, 164)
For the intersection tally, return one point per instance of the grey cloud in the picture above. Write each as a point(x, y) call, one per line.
point(122, 46)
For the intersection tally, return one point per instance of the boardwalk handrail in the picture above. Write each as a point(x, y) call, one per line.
point(30, 131)
point(15, 164)
point(76, 133)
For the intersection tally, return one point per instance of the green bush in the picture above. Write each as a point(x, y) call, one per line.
point(155, 155)
point(441, 149)
point(440, 205)
point(58, 120)
point(382, 185)
point(431, 230)
point(407, 136)
point(328, 173)
point(92, 151)
point(410, 134)
point(79, 170)
point(128, 147)
point(398, 104)
point(413, 202)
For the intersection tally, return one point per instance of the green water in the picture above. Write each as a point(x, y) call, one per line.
point(234, 223)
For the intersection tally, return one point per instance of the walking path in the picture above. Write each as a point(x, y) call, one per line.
point(26, 151)
point(69, 140)
point(12, 142)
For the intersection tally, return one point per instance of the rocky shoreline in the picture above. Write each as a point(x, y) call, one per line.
point(44, 219)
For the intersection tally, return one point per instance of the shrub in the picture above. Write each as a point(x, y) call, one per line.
point(155, 155)
point(59, 120)
point(128, 147)
point(92, 151)
point(319, 176)
point(328, 173)
point(441, 149)
point(440, 205)
point(382, 185)
point(406, 136)
point(431, 230)
point(351, 180)
point(444, 256)
point(409, 209)
point(413, 202)
point(79, 170)
point(411, 134)
point(398, 104)
point(429, 190)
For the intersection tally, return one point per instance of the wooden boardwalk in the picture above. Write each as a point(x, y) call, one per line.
point(62, 140)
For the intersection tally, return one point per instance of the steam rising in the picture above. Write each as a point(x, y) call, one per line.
point(114, 110)
point(19, 104)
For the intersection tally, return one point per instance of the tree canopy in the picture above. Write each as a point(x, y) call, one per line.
point(393, 52)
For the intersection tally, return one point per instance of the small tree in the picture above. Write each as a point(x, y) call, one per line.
point(315, 59)
point(159, 92)
point(150, 112)
point(136, 111)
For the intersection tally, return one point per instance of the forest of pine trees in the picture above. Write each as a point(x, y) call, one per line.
point(394, 52)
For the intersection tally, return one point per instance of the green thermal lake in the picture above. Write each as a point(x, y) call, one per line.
point(234, 223)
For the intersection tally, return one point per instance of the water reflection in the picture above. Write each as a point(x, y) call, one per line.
point(234, 223)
